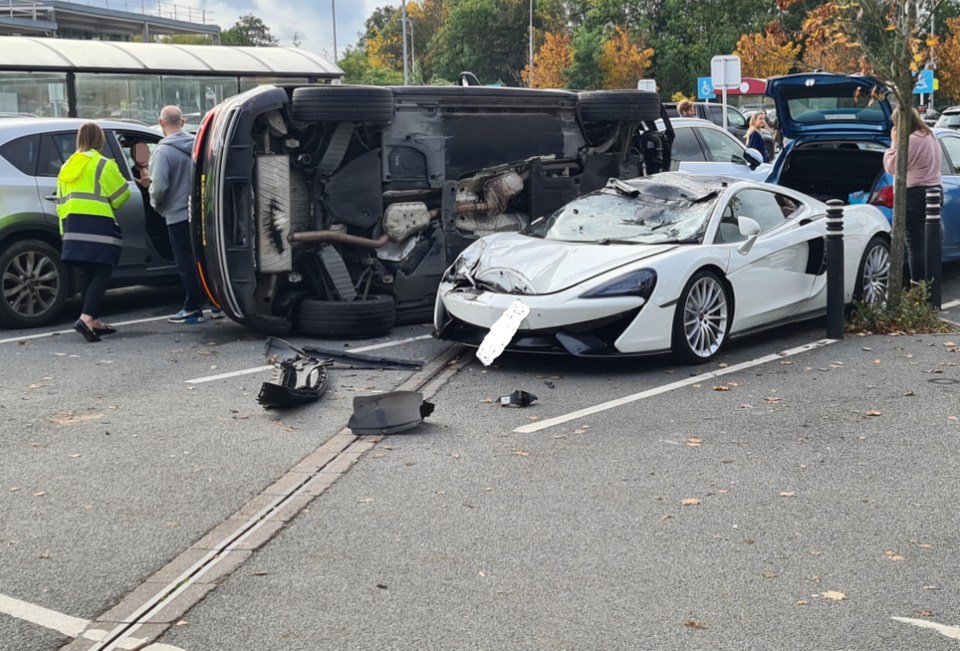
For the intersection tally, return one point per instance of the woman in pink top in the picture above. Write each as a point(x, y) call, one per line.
point(923, 172)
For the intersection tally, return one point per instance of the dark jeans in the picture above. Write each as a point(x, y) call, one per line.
point(186, 265)
point(94, 281)
point(915, 228)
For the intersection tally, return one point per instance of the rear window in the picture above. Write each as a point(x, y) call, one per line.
point(22, 153)
point(835, 109)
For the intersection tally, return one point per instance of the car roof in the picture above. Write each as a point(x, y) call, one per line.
point(684, 185)
point(16, 127)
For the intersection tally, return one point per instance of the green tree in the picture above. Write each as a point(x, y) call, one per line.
point(585, 72)
point(357, 69)
point(187, 39)
point(250, 31)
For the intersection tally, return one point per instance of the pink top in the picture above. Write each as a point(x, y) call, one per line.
point(923, 160)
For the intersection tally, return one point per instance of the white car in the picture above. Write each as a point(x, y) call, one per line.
point(702, 147)
point(675, 261)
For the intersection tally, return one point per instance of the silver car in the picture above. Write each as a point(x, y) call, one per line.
point(701, 147)
point(35, 282)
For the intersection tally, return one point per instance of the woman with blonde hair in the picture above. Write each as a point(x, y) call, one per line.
point(923, 173)
point(90, 188)
point(754, 135)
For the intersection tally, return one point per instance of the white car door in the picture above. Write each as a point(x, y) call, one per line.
point(778, 274)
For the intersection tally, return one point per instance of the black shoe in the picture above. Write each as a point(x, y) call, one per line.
point(105, 330)
point(85, 330)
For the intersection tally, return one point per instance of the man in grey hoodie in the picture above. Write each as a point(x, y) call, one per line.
point(171, 178)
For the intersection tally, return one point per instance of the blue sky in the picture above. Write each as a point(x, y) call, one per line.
point(312, 21)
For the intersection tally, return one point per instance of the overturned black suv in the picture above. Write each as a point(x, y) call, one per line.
point(334, 210)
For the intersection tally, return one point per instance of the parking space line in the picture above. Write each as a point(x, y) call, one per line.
point(258, 369)
point(619, 402)
point(65, 624)
point(952, 632)
point(41, 335)
point(947, 306)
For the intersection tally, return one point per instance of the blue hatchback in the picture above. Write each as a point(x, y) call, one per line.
point(882, 193)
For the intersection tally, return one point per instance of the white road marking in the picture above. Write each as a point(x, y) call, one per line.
point(619, 402)
point(53, 333)
point(947, 306)
point(258, 369)
point(953, 632)
point(66, 624)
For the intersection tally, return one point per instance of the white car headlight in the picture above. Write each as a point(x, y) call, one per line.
point(636, 283)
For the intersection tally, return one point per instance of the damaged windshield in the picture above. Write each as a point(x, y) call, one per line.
point(612, 217)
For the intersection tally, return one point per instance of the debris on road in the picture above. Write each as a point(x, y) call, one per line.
point(518, 398)
point(388, 413)
point(300, 378)
point(362, 360)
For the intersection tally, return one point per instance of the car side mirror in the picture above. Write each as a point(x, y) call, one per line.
point(750, 229)
point(753, 158)
point(141, 154)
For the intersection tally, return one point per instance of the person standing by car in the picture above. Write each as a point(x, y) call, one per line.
point(169, 178)
point(754, 135)
point(89, 189)
point(923, 173)
point(686, 109)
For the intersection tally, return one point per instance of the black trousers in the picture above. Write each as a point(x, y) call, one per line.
point(94, 281)
point(915, 230)
point(186, 265)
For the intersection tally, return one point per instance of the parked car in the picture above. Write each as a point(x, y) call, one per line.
point(335, 210)
point(882, 193)
point(949, 118)
point(35, 282)
point(701, 146)
point(674, 262)
point(736, 121)
point(837, 128)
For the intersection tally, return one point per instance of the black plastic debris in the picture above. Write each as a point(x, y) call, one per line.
point(518, 398)
point(300, 378)
point(363, 360)
point(388, 413)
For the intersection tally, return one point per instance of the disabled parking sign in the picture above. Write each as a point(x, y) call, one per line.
point(705, 88)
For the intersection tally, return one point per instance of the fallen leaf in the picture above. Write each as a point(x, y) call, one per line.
point(694, 624)
point(382, 586)
point(951, 418)
point(773, 399)
point(892, 555)
point(802, 602)
point(909, 393)
point(873, 412)
point(925, 613)
point(520, 453)
point(487, 401)
point(695, 386)
point(785, 362)
point(455, 455)
point(694, 443)
point(366, 500)
point(534, 417)
point(75, 455)
point(14, 489)
point(481, 573)
point(721, 387)
point(690, 501)
point(45, 555)
point(768, 574)
point(788, 494)
point(182, 622)
point(833, 595)
point(666, 516)
point(40, 493)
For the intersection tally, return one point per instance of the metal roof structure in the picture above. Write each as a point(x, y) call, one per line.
point(30, 54)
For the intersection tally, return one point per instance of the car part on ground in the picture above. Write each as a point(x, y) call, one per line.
point(335, 210)
point(34, 282)
point(363, 360)
point(518, 398)
point(300, 378)
point(388, 413)
point(675, 262)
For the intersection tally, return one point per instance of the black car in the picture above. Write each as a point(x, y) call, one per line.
point(35, 282)
point(335, 210)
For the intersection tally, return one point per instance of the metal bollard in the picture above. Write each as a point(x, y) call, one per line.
point(931, 246)
point(834, 253)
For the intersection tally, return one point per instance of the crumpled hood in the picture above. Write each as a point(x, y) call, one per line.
point(514, 263)
point(73, 168)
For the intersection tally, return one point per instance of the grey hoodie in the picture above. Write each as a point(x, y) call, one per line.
point(171, 177)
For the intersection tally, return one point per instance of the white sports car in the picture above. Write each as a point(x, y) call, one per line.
point(675, 261)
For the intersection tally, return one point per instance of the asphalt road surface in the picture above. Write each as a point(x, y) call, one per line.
point(793, 494)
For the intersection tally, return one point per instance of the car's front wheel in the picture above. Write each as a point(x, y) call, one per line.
point(702, 318)
point(34, 284)
point(873, 276)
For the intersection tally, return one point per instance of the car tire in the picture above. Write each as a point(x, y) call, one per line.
point(34, 284)
point(702, 318)
point(369, 317)
point(873, 274)
point(342, 104)
point(619, 106)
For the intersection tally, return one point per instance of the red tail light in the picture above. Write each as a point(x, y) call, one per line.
point(201, 133)
point(883, 197)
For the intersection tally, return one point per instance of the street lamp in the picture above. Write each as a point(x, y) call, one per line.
point(403, 23)
point(530, 80)
point(333, 7)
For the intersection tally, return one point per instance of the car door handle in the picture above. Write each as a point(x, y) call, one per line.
point(50, 197)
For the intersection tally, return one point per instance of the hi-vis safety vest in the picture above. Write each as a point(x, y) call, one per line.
point(89, 184)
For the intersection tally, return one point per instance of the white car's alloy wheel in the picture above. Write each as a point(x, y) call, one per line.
point(704, 318)
point(874, 273)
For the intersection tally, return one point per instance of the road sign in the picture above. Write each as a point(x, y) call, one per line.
point(705, 88)
point(925, 83)
point(647, 84)
point(725, 71)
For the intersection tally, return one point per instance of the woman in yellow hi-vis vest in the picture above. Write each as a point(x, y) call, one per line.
point(89, 188)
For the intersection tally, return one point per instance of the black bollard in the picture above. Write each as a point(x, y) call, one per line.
point(931, 246)
point(834, 255)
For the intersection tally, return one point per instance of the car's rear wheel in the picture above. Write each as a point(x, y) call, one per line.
point(702, 318)
point(873, 276)
point(342, 104)
point(619, 106)
point(369, 317)
point(34, 284)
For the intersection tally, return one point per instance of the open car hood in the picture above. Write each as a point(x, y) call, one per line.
point(826, 105)
point(518, 264)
